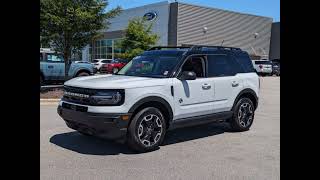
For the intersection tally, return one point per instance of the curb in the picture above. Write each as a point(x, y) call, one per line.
point(49, 100)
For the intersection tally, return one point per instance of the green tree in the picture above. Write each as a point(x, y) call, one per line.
point(69, 25)
point(138, 38)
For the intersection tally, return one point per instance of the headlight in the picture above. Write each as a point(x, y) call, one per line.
point(108, 97)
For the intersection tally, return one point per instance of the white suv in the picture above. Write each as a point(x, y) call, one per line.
point(99, 62)
point(263, 67)
point(162, 89)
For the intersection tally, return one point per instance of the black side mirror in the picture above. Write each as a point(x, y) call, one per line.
point(188, 75)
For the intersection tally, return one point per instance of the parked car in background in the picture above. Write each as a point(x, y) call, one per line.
point(99, 62)
point(52, 67)
point(262, 67)
point(275, 67)
point(114, 66)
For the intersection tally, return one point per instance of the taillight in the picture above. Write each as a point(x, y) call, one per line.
point(260, 66)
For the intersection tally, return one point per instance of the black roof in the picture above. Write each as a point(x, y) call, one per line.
point(193, 49)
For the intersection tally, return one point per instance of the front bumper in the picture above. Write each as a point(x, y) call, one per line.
point(109, 126)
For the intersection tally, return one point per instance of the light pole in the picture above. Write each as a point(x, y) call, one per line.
point(255, 35)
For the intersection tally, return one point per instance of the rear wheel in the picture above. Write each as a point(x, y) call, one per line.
point(146, 130)
point(83, 74)
point(243, 115)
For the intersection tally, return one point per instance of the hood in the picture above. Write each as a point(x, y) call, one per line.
point(115, 82)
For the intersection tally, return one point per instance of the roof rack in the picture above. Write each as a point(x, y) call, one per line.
point(198, 47)
point(192, 47)
point(168, 47)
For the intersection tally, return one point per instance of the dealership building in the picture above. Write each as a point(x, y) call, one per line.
point(179, 23)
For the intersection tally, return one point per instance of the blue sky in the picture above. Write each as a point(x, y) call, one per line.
point(269, 8)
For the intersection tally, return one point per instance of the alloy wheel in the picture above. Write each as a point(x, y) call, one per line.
point(245, 114)
point(150, 130)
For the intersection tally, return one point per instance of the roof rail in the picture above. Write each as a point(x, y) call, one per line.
point(168, 47)
point(191, 47)
point(197, 47)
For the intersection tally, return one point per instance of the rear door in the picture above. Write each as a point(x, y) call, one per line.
point(223, 73)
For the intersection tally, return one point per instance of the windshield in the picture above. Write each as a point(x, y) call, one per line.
point(150, 66)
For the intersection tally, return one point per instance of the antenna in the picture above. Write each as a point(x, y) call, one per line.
point(222, 42)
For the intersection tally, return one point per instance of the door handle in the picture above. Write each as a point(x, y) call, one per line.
point(235, 84)
point(206, 86)
point(50, 67)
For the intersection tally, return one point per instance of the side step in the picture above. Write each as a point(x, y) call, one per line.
point(198, 120)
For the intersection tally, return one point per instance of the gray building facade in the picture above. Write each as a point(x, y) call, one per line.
point(180, 24)
point(275, 41)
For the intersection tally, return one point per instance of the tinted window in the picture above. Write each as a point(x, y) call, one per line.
point(123, 61)
point(262, 62)
point(150, 66)
point(246, 63)
point(222, 65)
point(95, 61)
point(106, 61)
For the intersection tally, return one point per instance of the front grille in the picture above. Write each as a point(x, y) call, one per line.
point(78, 100)
point(80, 90)
point(83, 96)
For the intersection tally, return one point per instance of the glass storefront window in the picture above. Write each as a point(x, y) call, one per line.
point(106, 49)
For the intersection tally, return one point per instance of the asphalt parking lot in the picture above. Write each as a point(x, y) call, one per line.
point(202, 152)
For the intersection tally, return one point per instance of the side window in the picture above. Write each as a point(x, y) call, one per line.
point(106, 61)
point(54, 58)
point(222, 65)
point(195, 64)
point(41, 57)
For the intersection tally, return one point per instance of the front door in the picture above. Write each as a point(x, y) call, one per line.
point(55, 66)
point(193, 97)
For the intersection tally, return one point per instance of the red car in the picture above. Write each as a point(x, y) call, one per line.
point(114, 66)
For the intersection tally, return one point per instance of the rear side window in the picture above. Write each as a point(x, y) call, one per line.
point(246, 63)
point(223, 65)
point(263, 62)
point(106, 61)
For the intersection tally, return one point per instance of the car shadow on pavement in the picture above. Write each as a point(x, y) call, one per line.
point(77, 142)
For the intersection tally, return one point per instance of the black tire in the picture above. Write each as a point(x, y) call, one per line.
point(244, 121)
point(41, 81)
point(83, 74)
point(139, 142)
point(115, 70)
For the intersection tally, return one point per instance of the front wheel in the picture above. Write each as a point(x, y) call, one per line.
point(146, 130)
point(41, 81)
point(243, 115)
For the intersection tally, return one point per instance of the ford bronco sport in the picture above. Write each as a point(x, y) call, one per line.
point(162, 89)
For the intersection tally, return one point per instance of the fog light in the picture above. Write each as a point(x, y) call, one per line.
point(125, 117)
